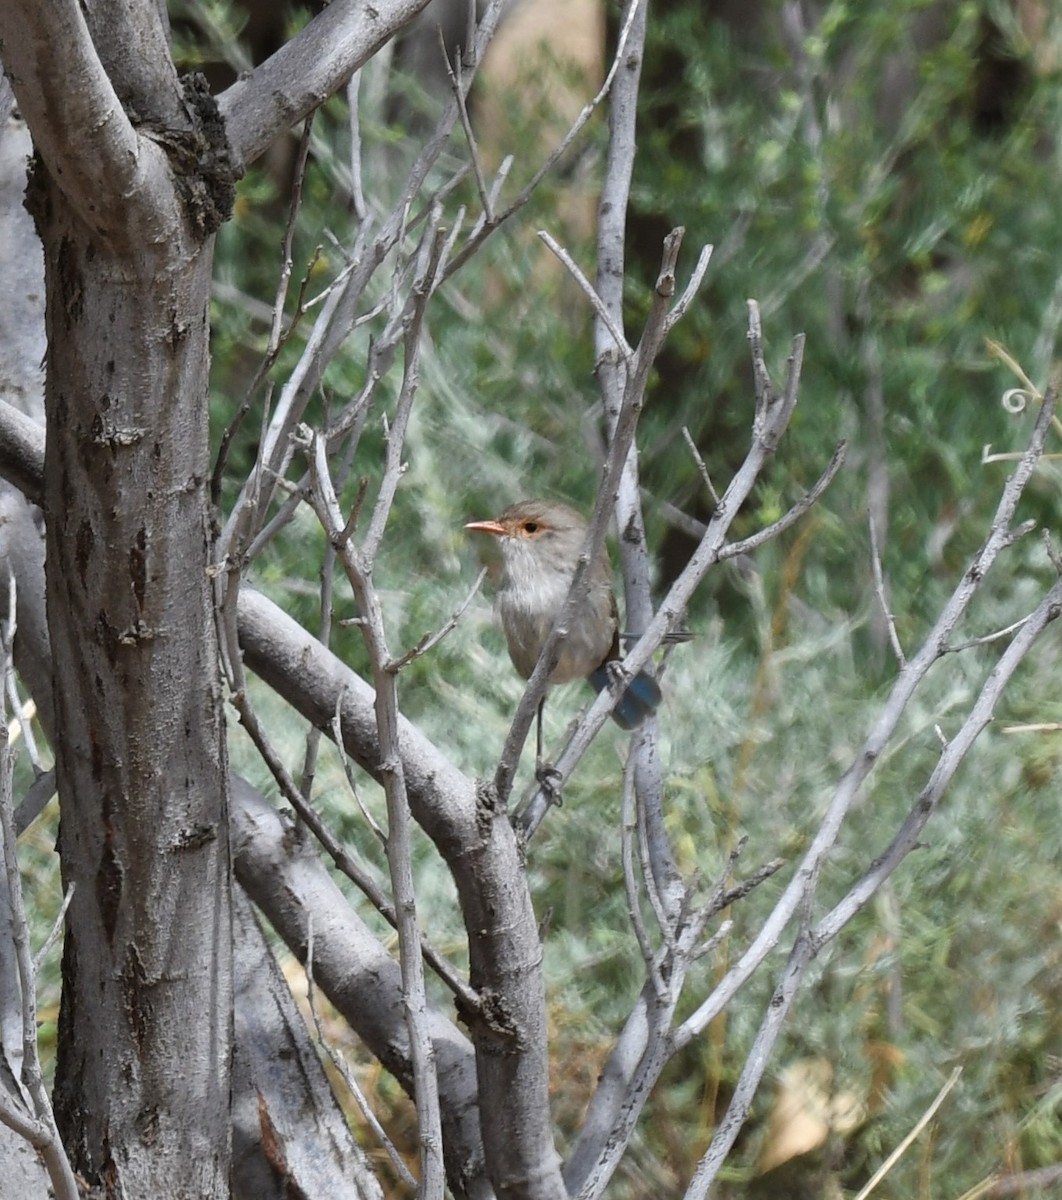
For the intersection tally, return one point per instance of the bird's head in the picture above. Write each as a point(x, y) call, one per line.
point(536, 537)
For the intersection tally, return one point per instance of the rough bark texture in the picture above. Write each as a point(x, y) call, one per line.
point(475, 837)
point(125, 192)
point(140, 760)
point(285, 877)
point(289, 1136)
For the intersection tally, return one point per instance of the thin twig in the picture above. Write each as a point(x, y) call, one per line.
point(277, 334)
point(301, 157)
point(879, 591)
point(348, 771)
point(481, 232)
point(630, 884)
point(693, 286)
point(988, 638)
point(422, 291)
point(357, 190)
point(24, 714)
point(357, 566)
point(792, 515)
point(761, 376)
point(922, 1122)
point(345, 1073)
point(337, 852)
point(667, 921)
point(456, 84)
point(56, 929)
point(622, 345)
point(324, 636)
point(40, 1128)
point(701, 468)
point(430, 641)
point(800, 891)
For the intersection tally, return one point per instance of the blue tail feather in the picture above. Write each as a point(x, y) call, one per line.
point(641, 698)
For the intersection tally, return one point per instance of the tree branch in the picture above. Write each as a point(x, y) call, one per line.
point(288, 882)
point(22, 452)
point(809, 944)
point(770, 419)
point(115, 180)
point(305, 71)
point(39, 1127)
point(358, 566)
point(1000, 535)
point(476, 839)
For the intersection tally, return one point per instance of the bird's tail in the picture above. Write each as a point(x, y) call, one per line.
point(641, 698)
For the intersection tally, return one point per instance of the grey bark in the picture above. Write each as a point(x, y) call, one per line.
point(285, 877)
point(288, 1134)
point(279, 1086)
point(21, 384)
point(140, 762)
point(475, 837)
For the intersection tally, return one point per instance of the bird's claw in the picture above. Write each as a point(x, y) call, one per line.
point(549, 779)
point(618, 675)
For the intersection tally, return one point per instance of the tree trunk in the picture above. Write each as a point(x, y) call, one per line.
point(140, 759)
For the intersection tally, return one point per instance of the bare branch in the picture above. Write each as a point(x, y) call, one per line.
point(793, 514)
point(486, 197)
point(678, 309)
point(630, 883)
point(760, 374)
point(621, 345)
point(879, 591)
point(430, 641)
point(768, 424)
point(423, 288)
point(484, 229)
point(701, 468)
point(474, 835)
point(53, 933)
point(338, 852)
point(288, 881)
point(301, 157)
point(917, 667)
point(22, 452)
point(357, 566)
point(809, 945)
point(357, 188)
point(40, 1127)
point(108, 173)
point(345, 1073)
point(307, 70)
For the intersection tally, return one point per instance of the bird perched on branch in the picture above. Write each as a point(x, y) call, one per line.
point(540, 544)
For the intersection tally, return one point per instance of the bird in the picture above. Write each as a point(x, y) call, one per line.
point(541, 541)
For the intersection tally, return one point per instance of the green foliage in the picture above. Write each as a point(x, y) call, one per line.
point(866, 200)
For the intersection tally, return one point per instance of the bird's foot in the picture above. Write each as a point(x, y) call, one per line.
point(549, 779)
point(618, 675)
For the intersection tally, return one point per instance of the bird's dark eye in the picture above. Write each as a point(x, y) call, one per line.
point(530, 527)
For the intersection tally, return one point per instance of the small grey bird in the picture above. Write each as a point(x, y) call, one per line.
point(540, 544)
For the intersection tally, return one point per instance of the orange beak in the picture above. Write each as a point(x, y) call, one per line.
point(487, 527)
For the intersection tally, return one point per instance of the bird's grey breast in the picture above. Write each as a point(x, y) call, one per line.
point(532, 591)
